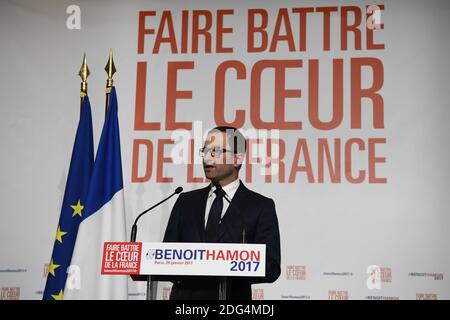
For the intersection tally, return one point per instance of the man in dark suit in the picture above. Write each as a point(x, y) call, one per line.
point(204, 216)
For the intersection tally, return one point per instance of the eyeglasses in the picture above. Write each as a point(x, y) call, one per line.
point(216, 152)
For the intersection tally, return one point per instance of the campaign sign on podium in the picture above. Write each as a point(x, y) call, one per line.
point(176, 258)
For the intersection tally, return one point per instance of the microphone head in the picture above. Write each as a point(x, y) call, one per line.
point(220, 190)
point(217, 185)
point(178, 190)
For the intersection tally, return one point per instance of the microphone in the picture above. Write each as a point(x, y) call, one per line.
point(225, 196)
point(134, 228)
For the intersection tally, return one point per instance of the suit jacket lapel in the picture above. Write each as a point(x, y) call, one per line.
point(201, 211)
point(233, 211)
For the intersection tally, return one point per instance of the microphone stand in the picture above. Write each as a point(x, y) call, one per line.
point(151, 285)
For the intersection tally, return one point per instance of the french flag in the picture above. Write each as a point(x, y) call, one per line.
point(103, 220)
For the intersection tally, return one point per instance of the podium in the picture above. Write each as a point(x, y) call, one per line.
point(142, 260)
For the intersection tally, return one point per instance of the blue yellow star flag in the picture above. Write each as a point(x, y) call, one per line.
point(103, 218)
point(72, 211)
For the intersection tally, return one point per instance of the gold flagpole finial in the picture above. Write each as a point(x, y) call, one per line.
point(110, 69)
point(84, 74)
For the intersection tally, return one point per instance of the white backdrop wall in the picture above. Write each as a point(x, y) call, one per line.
point(332, 232)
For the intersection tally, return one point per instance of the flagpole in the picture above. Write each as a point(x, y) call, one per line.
point(84, 74)
point(110, 69)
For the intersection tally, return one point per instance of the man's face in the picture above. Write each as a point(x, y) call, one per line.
point(219, 166)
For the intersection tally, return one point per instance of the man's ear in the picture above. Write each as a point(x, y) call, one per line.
point(238, 159)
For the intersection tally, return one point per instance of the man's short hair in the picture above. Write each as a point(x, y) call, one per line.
point(235, 138)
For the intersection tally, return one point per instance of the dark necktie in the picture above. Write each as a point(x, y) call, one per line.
point(212, 226)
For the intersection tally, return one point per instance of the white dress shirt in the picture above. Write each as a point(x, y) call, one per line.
point(230, 190)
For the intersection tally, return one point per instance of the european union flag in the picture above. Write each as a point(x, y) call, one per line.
point(75, 194)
